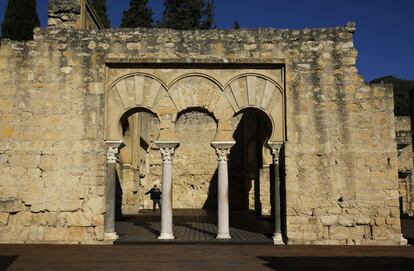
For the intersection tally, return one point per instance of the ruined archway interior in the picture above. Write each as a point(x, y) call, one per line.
point(138, 169)
point(195, 162)
point(197, 111)
point(195, 170)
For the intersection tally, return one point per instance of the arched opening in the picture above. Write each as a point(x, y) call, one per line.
point(188, 159)
point(195, 161)
point(250, 185)
point(249, 163)
point(140, 129)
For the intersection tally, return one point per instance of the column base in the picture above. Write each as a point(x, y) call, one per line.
point(166, 236)
point(277, 239)
point(223, 236)
point(403, 241)
point(110, 236)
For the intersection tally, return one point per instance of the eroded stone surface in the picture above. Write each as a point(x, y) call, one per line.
point(340, 155)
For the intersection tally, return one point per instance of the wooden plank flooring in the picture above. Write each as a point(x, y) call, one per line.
point(209, 257)
point(203, 256)
point(193, 225)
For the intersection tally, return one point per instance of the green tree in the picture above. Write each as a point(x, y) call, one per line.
point(20, 19)
point(208, 22)
point(182, 14)
point(236, 25)
point(137, 15)
point(100, 8)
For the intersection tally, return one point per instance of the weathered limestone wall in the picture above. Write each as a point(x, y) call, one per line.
point(405, 163)
point(52, 155)
point(77, 14)
point(195, 160)
point(347, 172)
point(340, 151)
point(404, 140)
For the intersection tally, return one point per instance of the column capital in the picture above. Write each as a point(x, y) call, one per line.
point(167, 154)
point(167, 149)
point(222, 149)
point(113, 150)
point(222, 154)
point(275, 149)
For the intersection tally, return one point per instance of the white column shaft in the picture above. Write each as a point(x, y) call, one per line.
point(110, 199)
point(110, 196)
point(167, 151)
point(223, 201)
point(222, 151)
point(277, 234)
point(166, 210)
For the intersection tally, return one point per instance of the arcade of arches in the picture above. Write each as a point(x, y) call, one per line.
point(208, 137)
point(208, 115)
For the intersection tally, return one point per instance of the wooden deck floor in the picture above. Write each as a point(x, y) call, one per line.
point(212, 256)
point(194, 226)
point(154, 257)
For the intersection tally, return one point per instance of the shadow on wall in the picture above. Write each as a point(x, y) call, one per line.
point(244, 162)
point(339, 263)
point(118, 199)
point(211, 201)
point(238, 194)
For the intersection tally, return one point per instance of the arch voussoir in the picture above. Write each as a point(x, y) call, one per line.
point(134, 92)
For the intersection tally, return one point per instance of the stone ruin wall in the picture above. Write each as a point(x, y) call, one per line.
point(77, 14)
point(405, 163)
point(340, 154)
point(52, 153)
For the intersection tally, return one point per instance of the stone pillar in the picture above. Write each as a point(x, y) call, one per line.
point(167, 151)
point(277, 234)
point(222, 151)
point(112, 159)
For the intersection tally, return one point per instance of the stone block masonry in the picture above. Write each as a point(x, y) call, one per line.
point(340, 153)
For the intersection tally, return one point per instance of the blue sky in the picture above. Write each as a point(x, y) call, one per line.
point(384, 37)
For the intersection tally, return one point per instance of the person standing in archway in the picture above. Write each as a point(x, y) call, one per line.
point(155, 195)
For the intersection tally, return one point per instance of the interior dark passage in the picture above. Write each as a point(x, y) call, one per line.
point(249, 182)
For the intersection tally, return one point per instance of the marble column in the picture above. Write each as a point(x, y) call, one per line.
point(277, 234)
point(167, 151)
point(222, 151)
point(112, 152)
